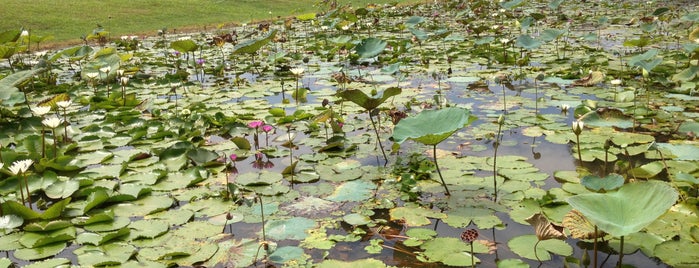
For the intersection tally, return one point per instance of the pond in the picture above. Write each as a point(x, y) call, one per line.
point(457, 133)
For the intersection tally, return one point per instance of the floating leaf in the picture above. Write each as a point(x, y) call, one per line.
point(608, 183)
point(294, 228)
point(524, 247)
point(356, 190)
point(30, 254)
point(415, 216)
point(184, 46)
point(628, 210)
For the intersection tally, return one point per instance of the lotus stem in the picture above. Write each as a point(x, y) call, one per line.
point(43, 141)
point(535, 254)
point(378, 139)
point(262, 214)
point(594, 247)
point(577, 138)
point(26, 185)
point(434, 155)
point(473, 262)
point(621, 252)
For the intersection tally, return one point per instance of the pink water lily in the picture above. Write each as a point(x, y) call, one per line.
point(256, 124)
point(267, 128)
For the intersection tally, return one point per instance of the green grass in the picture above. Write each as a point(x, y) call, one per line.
point(67, 20)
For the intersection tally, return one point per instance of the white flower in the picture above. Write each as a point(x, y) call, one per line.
point(345, 28)
point(297, 71)
point(106, 69)
point(694, 62)
point(120, 72)
point(1, 165)
point(41, 110)
point(124, 37)
point(616, 82)
point(564, 108)
point(578, 127)
point(325, 28)
point(64, 104)
point(504, 40)
point(186, 111)
point(124, 80)
point(24, 33)
point(52, 122)
point(21, 166)
point(92, 75)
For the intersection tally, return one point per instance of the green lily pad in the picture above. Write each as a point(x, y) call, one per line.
point(30, 254)
point(294, 228)
point(678, 253)
point(365, 263)
point(286, 254)
point(55, 262)
point(450, 251)
point(415, 216)
point(259, 178)
point(356, 190)
point(464, 216)
point(608, 183)
point(630, 209)
point(607, 118)
point(524, 247)
point(109, 254)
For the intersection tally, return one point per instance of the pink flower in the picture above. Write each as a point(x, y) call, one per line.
point(267, 128)
point(233, 157)
point(255, 124)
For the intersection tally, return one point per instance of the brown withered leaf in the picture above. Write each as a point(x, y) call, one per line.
point(545, 229)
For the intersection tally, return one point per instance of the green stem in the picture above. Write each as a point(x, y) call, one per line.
point(26, 185)
point(434, 154)
point(473, 262)
point(594, 246)
point(577, 138)
point(262, 214)
point(535, 254)
point(378, 139)
point(621, 251)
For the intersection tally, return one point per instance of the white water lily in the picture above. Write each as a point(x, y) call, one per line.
point(578, 127)
point(616, 82)
point(2, 165)
point(24, 33)
point(120, 72)
point(64, 104)
point(124, 80)
point(564, 107)
point(297, 71)
point(41, 110)
point(52, 122)
point(21, 166)
point(92, 75)
point(106, 69)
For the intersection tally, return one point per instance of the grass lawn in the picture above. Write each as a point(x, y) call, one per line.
point(67, 20)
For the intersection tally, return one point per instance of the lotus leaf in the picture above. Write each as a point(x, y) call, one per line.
point(450, 251)
point(286, 254)
point(357, 190)
point(579, 226)
point(109, 254)
point(55, 262)
point(370, 47)
point(294, 228)
point(366, 102)
point(233, 253)
point(630, 209)
point(97, 239)
point(253, 45)
point(30, 254)
point(608, 183)
point(464, 216)
point(524, 247)
point(184, 46)
point(442, 123)
point(678, 253)
point(415, 216)
point(365, 263)
point(39, 239)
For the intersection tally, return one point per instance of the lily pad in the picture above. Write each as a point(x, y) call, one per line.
point(442, 123)
point(524, 247)
point(608, 183)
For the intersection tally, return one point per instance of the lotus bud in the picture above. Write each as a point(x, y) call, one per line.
point(607, 144)
point(645, 73)
point(501, 119)
point(124, 80)
point(578, 127)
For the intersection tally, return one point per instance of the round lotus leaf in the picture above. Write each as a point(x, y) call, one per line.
point(365, 263)
point(442, 123)
point(628, 210)
point(285, 254)
point(294, 228)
